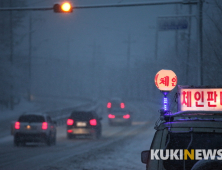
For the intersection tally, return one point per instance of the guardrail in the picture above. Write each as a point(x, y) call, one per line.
point(61, 115)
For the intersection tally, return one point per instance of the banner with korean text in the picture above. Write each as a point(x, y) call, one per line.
point(199, 99)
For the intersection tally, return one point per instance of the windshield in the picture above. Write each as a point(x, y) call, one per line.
point(31, 118)
point(82, 115)
point(114, 110)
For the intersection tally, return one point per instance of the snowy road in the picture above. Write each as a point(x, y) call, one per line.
point(119, 148)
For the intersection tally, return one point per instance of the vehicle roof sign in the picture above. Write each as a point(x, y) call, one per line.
point(165, 80)
point(199, 98)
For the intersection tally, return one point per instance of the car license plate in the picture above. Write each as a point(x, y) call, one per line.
point(81, 124)
point(119, 120)
point(80, 131)
point(29, 127)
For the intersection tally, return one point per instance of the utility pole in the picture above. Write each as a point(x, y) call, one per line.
point(94, 58)
point(200, 41)
point(68, 49)
point(67, 76)
point(11, 59)
point(128, 65)
point(30, 56)
point(176, 35)
point(128, 59)
point(11, 35)
point(188, 44)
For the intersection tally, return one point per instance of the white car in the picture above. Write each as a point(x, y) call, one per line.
point(34, 128)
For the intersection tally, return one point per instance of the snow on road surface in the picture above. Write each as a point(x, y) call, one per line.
point(122, 154)
point(119, 147)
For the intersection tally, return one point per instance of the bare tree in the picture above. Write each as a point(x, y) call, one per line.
point(10, 75)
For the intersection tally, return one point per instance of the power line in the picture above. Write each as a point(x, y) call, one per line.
point(102, 6)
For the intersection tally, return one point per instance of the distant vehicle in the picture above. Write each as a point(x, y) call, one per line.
point(34, 128)
point(115, 103)
point(120, 116)
point(84, 123)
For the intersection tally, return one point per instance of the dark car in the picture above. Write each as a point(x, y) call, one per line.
point(36, 127)
point(115, 103)
point(120, 116)
point(84, 123)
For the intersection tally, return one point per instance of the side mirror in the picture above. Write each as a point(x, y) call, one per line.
point(145, 156)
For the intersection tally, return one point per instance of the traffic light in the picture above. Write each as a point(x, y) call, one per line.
point(64, 8)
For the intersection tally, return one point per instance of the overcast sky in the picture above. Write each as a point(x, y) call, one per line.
point(105, 35)
point(74, 36)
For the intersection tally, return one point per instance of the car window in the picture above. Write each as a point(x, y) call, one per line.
point(31, 118)
point(95, 115)
point(119, 111)
point(115, 104)
point(49, 119)
point(82, 115)
point(200, 141)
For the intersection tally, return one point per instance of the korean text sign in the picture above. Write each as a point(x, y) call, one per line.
point(165, 80)
point(200, 99)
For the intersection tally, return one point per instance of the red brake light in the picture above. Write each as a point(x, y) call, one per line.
point(69, 131)
point(93, 122)
point(126, 116)
point(109, 105)
point(70, 122)
point(17, 125)
point(44, 125)
point(111, 116)
point(122, 105)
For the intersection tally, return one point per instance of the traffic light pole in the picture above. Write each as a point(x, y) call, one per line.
point(102, 6)
point(27, 9)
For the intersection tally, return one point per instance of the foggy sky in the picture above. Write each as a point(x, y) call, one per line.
point(96, 41)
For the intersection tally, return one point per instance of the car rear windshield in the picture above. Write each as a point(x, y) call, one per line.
point(200, 141)
point(31, 118)
point(118, 111)
point(115, 104)
point(82, 115)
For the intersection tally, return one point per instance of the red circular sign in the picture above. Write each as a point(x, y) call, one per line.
point(165, 80)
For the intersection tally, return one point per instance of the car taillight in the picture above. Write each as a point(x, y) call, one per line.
point(70, 122)
point(109, 105)
point(122, 105)
point(17, 125)
point(44, 125)
point(126, 116)
point(111, 116)
point(93, 122)
point(69, 131)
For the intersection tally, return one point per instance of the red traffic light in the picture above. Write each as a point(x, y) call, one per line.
point(64, 8)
